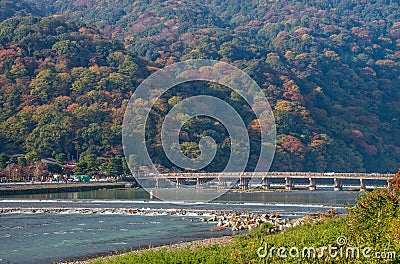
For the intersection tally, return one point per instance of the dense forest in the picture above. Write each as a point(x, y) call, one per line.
point(330, 70)
point(9, 8)
point(63, 88)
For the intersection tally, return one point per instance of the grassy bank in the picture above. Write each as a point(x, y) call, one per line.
point(371, 228)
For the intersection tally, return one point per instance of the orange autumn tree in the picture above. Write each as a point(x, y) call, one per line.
point(395, 182)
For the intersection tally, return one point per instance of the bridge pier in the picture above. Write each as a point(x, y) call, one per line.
point(198, 183)
point(337, 184)
point(244, 183)
point(289, 184)
point(221, 183)
point(179, 182)
point(265, 183)
point(312, 186)
point(362, 185)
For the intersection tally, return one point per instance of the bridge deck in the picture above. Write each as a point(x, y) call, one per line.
point(303, 175)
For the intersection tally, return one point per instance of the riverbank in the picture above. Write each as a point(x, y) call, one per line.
point(369, 233)
point(192, 245)
point(214, 248)
point(42, 188)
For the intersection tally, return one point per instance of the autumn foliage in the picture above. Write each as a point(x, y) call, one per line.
point(328, 68)
point(395, 182)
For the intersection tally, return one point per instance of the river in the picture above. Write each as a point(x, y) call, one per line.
point(30, 236)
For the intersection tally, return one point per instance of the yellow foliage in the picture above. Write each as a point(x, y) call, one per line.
point(304, 113)
point(305, 37)
point(291, 86)
point(318, 89)
point(283, 105)
point(130, 39)
point(301, 56)
point(160, 61)
point(255, 125)
point(289, 55)
point(317, 143)
point(331, 54)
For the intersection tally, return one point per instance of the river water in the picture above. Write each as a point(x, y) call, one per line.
point(30, 236)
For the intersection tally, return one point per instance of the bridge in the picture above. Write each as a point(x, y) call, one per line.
point(243, 179)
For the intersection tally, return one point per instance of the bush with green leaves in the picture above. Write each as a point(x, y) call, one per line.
point(375, 220)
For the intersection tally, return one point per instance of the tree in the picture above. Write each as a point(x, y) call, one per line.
point(133, 163)
point(61, 158)
point(42, 85)
point(32, 156)
point(90, 136)
point(174, 100)
point(125, 167)
point(13, 160)
point(114, 167)
point(3, 160)
point(88, 164)
point(395, 182)
point(48, 139)
point(39, 170)
point(190, 149)
point(55, 168)
point(22, 162)
point(10, 172)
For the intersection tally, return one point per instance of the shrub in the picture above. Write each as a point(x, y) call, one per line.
point(375, 220)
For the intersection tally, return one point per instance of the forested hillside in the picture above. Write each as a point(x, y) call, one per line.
point(330, 70)
point(63, 87)
point(10, 8)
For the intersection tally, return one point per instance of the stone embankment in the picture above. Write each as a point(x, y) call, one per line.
point(21, 189)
